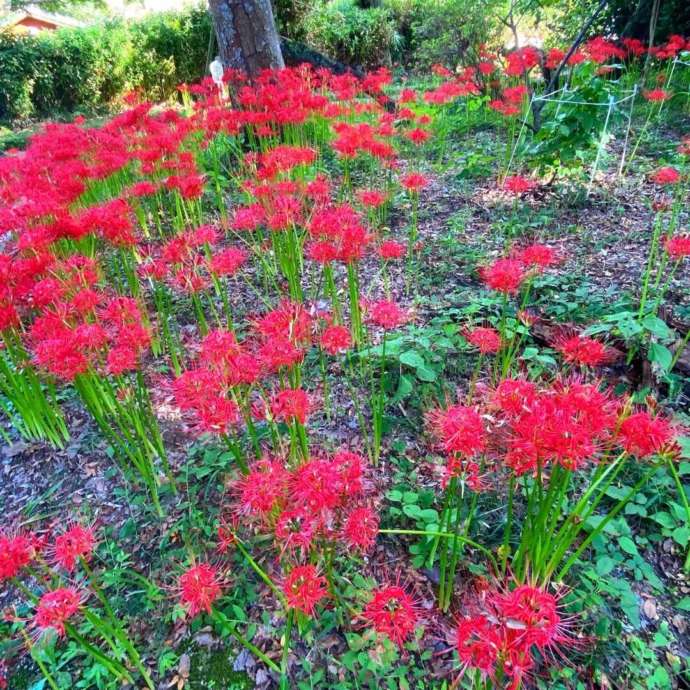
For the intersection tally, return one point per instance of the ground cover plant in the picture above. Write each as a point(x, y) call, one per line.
point(334, 382)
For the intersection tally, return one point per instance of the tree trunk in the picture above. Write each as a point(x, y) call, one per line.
point(247, 36)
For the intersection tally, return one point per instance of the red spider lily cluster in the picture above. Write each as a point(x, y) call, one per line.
point(322, 501)
point(52, 560)
point(507, 629)
point(527, 427)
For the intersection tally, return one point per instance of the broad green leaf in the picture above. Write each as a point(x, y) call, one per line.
point(425, 374)
point(412, 359)
point(628, 545)
point(605, 565)
point(658, 327)
point(661, 355)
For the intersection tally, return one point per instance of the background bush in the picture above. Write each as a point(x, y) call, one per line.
point(442, 31)
point(89, 68)
point(348, 33)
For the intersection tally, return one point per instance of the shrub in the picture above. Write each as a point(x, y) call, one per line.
point(90, 68)
point(350, 34)
point(171, 48)
point(441, 31)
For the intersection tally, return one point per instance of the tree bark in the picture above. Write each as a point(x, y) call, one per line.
point(247, 36)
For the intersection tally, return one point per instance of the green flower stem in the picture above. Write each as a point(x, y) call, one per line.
point(286, 650)
point(446, 535)
point(508, 531)
point(225, 622)
point(600, 527)
point(117, 628)
point(650, 262)
point(684, 500)
point(260, 571)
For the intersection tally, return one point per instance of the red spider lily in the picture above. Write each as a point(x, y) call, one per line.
point(203, 235)
point(77, 542)
point(504, 275)
point(538, 256)
point(554, 57)
point(322, 252)
point(506, 109)
point(304, 588)
point(223, 355)
point(288, 320)
point(634, 46)
point(350, 470)
point(515, 94)
point(408, 96)
point(521, 61)
point(392, 612)
point(440, 70)
point(666, 176)
point(291, 405)
point(318, 190)
point(678, 247)
point(201, 392)
point(533, 615)
point(261, 490)
point(600, 50)
point(372, 198)
point(226, 536)
point(390, 250)
point(278, 353)
point(335, 339)
point(360, 528)
point(141, 189)
point(644, 435)
point(386, 314)
point(517, 184)
point(16, 552)
point(56, 608)
point(227, 262)
point(248, 217)
point(295, 530)
point(565, 424)
point(587, 352)
point(513, 396)
point(656, 95)
point(284, 158)
point(199, 587)
point(478, 643)
point(486, 340)
point(414, 182)
point(417, 136)
point(512, 624)
point(460, 430)
point(316, 485)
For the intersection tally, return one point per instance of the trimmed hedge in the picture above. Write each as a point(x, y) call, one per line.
point(90, 68)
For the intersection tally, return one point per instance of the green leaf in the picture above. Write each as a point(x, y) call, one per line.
point(628, 545)
point(661, 355)
point(405, 387)
point(412, 510)
point(412, 359)
point(605, 565)
point(664, 519)
point(426, 374)
point(681, 535)
point(658, 327)
point(683, 604)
